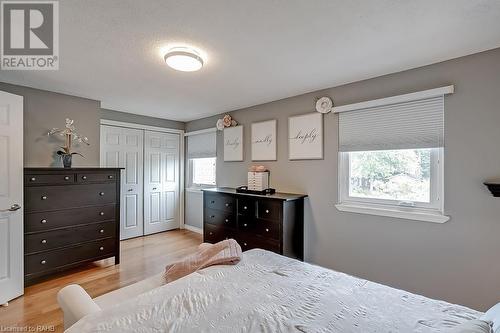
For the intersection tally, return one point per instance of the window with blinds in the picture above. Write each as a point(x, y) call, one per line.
point(202, 156)
point(390, 156)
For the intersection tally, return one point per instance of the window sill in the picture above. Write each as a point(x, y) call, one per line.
point(393, 212)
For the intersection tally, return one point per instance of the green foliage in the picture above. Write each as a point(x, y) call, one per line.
point(391, 174)
point(384, 164)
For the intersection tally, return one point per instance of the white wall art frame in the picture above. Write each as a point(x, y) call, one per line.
point(233, 144)
point(264, 141)
point(305, 137)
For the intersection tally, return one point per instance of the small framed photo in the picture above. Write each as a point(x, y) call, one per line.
point(264, 141)
point(305, 137)
point(233, 144)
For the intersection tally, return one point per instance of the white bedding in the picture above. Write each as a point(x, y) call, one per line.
point(267, 292)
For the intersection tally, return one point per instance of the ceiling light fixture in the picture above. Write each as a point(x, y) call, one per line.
point(183, 59)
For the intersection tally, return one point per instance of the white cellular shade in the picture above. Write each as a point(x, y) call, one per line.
point(408, 125)
point(202, 145)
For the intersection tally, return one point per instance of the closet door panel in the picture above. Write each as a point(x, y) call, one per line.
point(161, 182)
point(123, 147)
point(132, 182)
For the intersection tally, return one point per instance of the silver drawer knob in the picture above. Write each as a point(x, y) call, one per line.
point(245, 207)
point(101, 248)
point(43, 262)
point(267, 230)
point(101, 213)
point(44, 197)
point(245, 225)
point(110, 177)
point(227, 205)
point(211, 233)
point(101, 231)
point(244, 244)
point(43, 221)
point(101, 194)
point(84, 177)
point(32, 179)
point(44, 241)
point(227, 220)
point(267, 211)
point(66, 178)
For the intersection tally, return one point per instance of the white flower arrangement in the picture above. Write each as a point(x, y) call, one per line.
point(224, 122)
point(70, 134)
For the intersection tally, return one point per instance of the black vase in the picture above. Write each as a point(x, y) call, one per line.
point(67, 159)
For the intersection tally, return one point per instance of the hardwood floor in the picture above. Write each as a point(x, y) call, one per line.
point(140, 258)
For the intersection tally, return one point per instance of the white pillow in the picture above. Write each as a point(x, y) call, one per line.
point(473, 326)
point(493, 315)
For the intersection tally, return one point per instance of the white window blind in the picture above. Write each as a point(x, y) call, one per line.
point(202, 145)
point(407, 125)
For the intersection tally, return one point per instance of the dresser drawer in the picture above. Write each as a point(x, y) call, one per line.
point(269, 209)
point(268, 229)
point(34, 222)
point(218, 217)
point(37, 263)
point(246, 207)
point(95, 177)
point(246, 224)
point(33, 180)
point(48, 240)
point(42, 198)
point(252, 242)
point(220, 202)
point(214, 234)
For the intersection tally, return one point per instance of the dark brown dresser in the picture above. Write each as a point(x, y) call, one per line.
point(71, 216)
point(271, 222)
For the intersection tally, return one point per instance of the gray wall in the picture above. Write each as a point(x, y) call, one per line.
point(193, 215)
point(138, 119)
point(456, 261)
point(44, 110)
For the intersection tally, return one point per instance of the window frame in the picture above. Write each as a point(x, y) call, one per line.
point(429, 212)
point(191, 184)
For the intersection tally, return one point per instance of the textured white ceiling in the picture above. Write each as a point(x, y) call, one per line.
point(258, 50)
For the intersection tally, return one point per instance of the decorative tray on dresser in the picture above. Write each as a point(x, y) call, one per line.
point(71, 217)
point(272, 222)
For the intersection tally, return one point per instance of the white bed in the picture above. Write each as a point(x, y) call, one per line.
point(267, 292)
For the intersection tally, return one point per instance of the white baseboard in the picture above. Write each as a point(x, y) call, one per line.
point(194, 229)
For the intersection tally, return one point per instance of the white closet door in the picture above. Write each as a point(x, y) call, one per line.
point(123, 147)
point(161, 182)
point(11, 197)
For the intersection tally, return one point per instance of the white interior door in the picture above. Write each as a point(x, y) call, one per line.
point(161, 181)
point(11, 197)
point(123, 147)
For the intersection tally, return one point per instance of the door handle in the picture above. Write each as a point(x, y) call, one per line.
point(12, 208)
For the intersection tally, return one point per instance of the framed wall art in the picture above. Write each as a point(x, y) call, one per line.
point(264, 141)
point(305, 137)
point(233, 144)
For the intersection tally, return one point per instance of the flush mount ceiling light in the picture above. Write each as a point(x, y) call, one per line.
point(183, 59)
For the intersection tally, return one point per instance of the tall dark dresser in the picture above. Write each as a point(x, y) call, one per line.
point(71, 217)
point(270, 222)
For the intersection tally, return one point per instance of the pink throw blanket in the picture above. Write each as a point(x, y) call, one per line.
point(226, 252)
